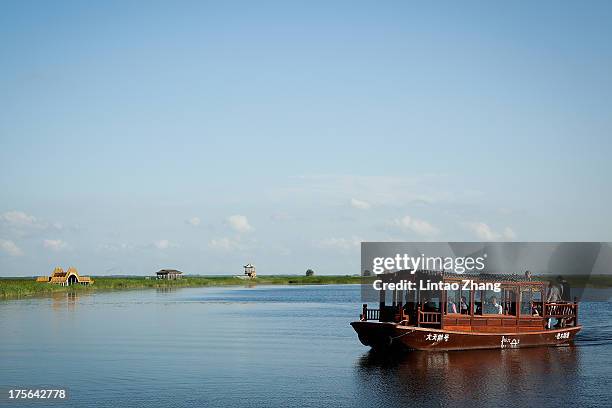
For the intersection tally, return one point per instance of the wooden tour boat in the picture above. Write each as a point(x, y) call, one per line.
point(514, 317)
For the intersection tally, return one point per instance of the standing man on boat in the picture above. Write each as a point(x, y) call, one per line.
point(554, 296)
point(564, 285)
point(566, 296)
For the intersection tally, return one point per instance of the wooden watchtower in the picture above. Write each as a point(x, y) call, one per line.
point(249, 271)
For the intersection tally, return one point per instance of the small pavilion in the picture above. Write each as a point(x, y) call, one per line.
point(169, 274)
point(249, 271)
point(66, 278)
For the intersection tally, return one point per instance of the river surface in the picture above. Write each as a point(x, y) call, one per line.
point(272, 346)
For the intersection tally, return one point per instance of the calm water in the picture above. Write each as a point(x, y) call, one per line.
point(272, 346)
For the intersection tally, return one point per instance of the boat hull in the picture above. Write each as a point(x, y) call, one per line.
point(392, 335)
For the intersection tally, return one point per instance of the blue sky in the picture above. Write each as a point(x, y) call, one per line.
point(202, 136)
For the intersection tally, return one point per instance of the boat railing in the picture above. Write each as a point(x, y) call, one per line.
point(428, 318)
point(370, 314)
point(561, 310)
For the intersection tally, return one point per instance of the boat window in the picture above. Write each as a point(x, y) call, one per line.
point(537, 295)
point(464, 302)
point(430, 301)
point(389, 294)
point(458, 301)
point(478, 302)
point(452, 301)
point(537, 299)
point(509, 301)
point(531, 302)
point(526, 302)
point(410, 299)
point(492, 302)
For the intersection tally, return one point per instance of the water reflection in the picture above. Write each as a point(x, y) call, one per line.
point(514, 377)
point(63, 300)
point(165, 289)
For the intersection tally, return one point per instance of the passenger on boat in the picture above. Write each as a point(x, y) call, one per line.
point(494, 307)
point(554, 293)
point(554, 296)
point(452, 307)
point(534, 310)
point(565, 289)
point(429, 305)
point(566, 296)
point(528, 275)
point(463, 306)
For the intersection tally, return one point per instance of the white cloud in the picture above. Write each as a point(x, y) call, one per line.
point(339, 243)
point(416, 225)
point(486, 233)
point(359, 204)
point(55, 244)
point(224, 244)
point(195, 221)
point(10, 247)
point(18, 219)
point(239, 223)
point(22, 224)
point(483, 231)
point(164, 244)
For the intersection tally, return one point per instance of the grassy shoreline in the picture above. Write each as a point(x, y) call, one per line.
point(15, 288)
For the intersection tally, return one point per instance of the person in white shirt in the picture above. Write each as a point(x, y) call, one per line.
point(496, 307)
point(554, 296)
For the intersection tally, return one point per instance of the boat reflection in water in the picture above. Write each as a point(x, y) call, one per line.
point(511, 377)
